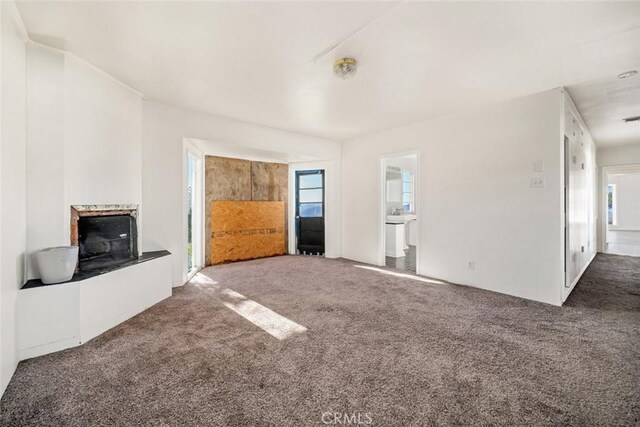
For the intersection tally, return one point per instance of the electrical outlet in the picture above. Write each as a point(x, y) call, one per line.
point(537, 182)
point(471, 265)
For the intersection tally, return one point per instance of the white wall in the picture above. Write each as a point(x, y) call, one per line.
point(476, 202)
point(13, 183)
point(627, 200)
point(84, 144)
point(164, 129)
point(103, 131)
point(619, 156)
point(45, 152)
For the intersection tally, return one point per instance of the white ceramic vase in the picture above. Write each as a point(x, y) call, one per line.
point(57, 264)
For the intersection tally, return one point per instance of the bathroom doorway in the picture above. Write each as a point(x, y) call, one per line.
point(400, 231)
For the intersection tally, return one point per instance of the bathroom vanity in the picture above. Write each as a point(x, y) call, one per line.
point(398, 234)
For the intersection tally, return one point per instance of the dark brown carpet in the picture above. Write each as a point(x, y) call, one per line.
point(405, 352)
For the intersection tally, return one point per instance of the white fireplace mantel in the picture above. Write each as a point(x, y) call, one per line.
point(127, 207)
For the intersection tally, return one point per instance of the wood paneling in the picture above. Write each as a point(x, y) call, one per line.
point(242, 230)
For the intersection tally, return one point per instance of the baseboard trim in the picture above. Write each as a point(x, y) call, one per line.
point(5, 377)
point(41, 350)
point(565, 292)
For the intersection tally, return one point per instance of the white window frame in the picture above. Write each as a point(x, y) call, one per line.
point(191, 151)
point(412, 206)
point(614, 202)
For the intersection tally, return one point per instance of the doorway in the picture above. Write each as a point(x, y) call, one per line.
point(310, 212)
point(621, 219)
point(399, 212)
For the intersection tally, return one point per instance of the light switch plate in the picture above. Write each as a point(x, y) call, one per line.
point(538, 166)
point(537, 182)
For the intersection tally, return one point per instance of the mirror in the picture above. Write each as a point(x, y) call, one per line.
point(394, 186)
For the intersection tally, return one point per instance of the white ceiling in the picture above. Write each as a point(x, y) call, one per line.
point(603, 104)
point(253, 61)
point(215, 148)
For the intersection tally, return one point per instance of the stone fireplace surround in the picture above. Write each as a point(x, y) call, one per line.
point(84, 211)
point(78, 211)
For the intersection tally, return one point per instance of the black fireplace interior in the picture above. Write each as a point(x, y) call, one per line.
point(106, 241)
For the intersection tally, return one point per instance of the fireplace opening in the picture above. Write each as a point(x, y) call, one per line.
point(106, 240)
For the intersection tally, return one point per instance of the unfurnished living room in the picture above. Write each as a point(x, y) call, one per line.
point(390, 213)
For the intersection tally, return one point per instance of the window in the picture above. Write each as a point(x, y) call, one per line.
point(191, 208)
point(310, 195)
point(408, 195)
point(611, 204)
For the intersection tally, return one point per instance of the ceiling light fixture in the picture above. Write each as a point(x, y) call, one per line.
point(631, 119)
point(627, 74)
point(345, 68)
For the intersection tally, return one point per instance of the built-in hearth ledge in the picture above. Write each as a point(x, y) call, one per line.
point(83, 275)
point(113, 282)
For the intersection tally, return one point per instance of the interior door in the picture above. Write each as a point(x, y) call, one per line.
point(310, 212)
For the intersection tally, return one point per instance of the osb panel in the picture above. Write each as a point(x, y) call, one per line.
point(225, 179)
point(269, 181)
point(246, 230)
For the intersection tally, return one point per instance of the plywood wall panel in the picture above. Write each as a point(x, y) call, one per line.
point(242, 180)
point(225, 179)
point(244, 230)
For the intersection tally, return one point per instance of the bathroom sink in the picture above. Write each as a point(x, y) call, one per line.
point(403, 217)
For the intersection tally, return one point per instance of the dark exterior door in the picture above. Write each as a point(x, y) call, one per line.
point(310, 212)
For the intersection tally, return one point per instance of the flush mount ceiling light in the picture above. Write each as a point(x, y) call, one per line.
point(627, 74)
point(631, 119)
point(345, 68)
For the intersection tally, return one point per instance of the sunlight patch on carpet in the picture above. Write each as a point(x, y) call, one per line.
point(273, 323)
point(201, 280)
point(402, 275)
point(268, 320)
